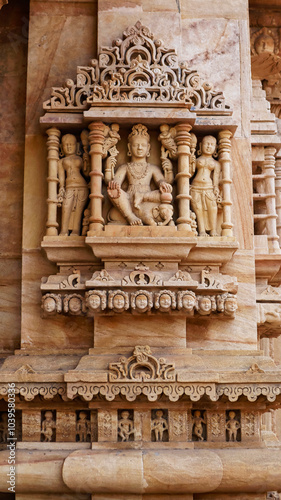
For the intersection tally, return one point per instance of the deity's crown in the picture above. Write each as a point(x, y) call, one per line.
point(139, 130)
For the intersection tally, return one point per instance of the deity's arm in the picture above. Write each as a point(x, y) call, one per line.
point(121, 174)
point(159, 178)
point(216, 176)
point(61, 174)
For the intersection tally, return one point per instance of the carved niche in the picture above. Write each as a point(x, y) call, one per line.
point(137, 71)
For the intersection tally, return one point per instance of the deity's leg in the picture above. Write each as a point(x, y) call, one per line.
point(124, 206)
point(80, 205)
point(212, 216)
point(197, 207)
point(66, 212)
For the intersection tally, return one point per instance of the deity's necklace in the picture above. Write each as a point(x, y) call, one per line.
point(138, 170)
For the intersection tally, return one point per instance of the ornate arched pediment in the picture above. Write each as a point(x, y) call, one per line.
point(137, 70)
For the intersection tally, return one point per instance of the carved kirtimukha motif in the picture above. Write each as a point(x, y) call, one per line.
point(136, 70)
point(142, 366)
point(139, 204)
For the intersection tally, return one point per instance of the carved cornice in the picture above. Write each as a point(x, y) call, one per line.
point(137, 71)
point(30, 390)
point(174, 391)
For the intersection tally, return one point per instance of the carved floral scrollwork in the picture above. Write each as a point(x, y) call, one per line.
point(137, 69)
point(142, 366)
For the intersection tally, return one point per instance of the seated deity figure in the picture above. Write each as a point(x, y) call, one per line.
point(73, 189)
point(204, 189)
point(137, 202)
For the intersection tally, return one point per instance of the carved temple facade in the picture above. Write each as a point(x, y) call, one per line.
point(141, 261)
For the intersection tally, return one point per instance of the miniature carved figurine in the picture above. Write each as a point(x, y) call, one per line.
point(136, 204)
point(165, 300)
point(159, 425)
point(141, 301)
point(47, 426)
point(73, 189)
point(125, 426)
point(4, 428)
point(197, 427)
point(83, 427)
point(118, 301)
point(232, 426)
point(187, 301)
point(204, 189)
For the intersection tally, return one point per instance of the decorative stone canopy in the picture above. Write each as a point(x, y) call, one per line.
point(137, 71)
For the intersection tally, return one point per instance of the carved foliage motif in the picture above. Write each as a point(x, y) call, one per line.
point(136, 70)
point(142, 366)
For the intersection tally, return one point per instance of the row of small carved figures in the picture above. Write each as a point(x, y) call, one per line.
point(126, 429)
point(141, 301)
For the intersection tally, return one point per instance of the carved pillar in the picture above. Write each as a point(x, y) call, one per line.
point(269, 167)
point(53, 146)
point(278, 192)
point(225, 161)
point(183, 139)
point(96, 139)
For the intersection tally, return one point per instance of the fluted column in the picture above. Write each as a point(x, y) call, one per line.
point(183, 139)
point(224, 148)
point(278, 192)
point(53, 146)
point(269, 171)
point(96, 139)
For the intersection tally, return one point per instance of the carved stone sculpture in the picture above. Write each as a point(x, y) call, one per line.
point(141, 301)
point(118, 301)
point(232, 426)
point(138, 203)
point(227, 303)
point(48, 425)
point(165, 300)
point(206, 304)
point(205, 194)
point(73, 189)
point(74, 304)
point(125, 426)
point(83, 427)
point(159, 425)
point(187, 301)
point(51, 304)
point(198, 424)
point(96, 300)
